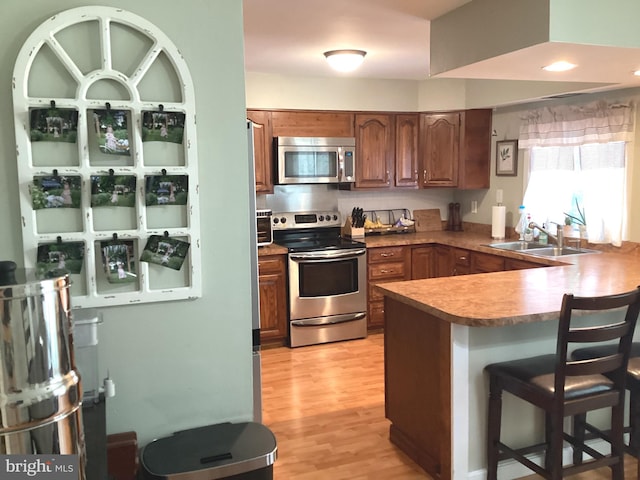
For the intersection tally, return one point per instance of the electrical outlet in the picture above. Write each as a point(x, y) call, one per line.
point(474, 206)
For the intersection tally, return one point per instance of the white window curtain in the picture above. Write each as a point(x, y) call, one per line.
point(580, 157)
point(596, 122)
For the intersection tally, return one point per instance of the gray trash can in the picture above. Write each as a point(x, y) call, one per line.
point(231, 451)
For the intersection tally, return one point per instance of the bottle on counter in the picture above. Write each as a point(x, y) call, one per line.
point(522, 223)
point(528, 231)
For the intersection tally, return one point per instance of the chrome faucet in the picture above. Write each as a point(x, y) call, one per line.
point(558, 238)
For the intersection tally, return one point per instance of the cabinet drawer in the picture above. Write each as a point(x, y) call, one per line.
point(385, 254)
point(270, 265)
point(461, 257)
point(389, 270)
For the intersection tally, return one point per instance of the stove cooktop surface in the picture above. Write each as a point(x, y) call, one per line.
point(314, 244)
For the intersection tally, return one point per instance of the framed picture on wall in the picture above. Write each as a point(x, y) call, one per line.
point(507, 158)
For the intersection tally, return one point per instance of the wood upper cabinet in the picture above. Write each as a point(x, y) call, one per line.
point(312, 124)
point(374, 150)
point(439, 149)
point(262, 149)
point(272, 281)
point(474, 166)
point(406, 158)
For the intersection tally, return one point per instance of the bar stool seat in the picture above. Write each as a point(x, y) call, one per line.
point(564, 387)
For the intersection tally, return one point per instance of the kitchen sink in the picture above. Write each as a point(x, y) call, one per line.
point(518, 246)
point(540, 249)
point(558, 252)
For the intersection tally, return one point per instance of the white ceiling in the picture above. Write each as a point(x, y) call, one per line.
point(289, 37)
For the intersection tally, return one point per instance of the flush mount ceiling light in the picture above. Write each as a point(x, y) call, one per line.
point(345, 60)
point(561, 66)
point(637, 73)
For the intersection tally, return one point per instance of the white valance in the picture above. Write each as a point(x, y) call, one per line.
point(596, 122)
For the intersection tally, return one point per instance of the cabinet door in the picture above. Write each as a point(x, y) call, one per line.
point(421, 262)
point(515, 264)
point(273, 300)
point(442, 261)
point(312, 124)
point(474, 168)
point(406, 161)
point(439, 149)
point(262, 149)
point(374, 150)
point(485, 263)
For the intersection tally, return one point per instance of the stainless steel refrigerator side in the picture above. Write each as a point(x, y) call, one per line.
point(255, 290)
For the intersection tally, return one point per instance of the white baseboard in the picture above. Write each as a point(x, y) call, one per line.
point(510, 469)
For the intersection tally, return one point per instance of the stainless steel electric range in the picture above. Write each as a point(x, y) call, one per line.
point(327, 278)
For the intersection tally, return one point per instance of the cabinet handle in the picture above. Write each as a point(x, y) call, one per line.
point(385, 255)
point(415, 175)
point(424, 175)
point(387, 177)
point(463, 258)
point(387, 271)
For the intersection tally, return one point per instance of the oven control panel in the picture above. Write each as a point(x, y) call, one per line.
point(288, 220)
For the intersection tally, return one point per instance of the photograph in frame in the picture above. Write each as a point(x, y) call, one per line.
point(113, 191)
point(166, 189)
point(118, 261)
point(60, 258)
point(112, 131)
point(53, 125)
point(507, 158)
point(162, 126)
point(165, 251)
point(56, 191)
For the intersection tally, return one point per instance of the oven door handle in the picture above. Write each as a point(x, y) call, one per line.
point(332, 320)
point(323, 255)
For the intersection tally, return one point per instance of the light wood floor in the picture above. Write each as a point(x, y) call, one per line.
point(325, 405)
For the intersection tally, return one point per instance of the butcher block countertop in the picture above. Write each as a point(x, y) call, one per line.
point(510, 297)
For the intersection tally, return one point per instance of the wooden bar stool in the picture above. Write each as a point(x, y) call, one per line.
point(632, 385)
point(563, 387)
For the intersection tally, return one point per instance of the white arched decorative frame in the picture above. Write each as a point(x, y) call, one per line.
point(92, 291)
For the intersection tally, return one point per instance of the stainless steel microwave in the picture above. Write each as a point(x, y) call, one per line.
point(303, 160)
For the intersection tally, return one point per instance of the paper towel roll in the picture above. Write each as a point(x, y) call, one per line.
point(498, 216)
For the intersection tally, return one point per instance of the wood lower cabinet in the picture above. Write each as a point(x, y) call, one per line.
point(515, 264)
point(262, 149)
point(374, 150)
point(272, 281)
point(385, 264)
point(442, 261)
point(485, 263)
point(422, 262)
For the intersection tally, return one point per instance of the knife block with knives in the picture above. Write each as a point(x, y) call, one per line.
point(354, 225)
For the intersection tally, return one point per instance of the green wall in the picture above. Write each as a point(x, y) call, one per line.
point(175, 364)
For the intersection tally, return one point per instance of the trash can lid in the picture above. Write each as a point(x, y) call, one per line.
point(223, 449)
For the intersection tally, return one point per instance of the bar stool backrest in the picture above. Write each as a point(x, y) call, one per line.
point(608, 331)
